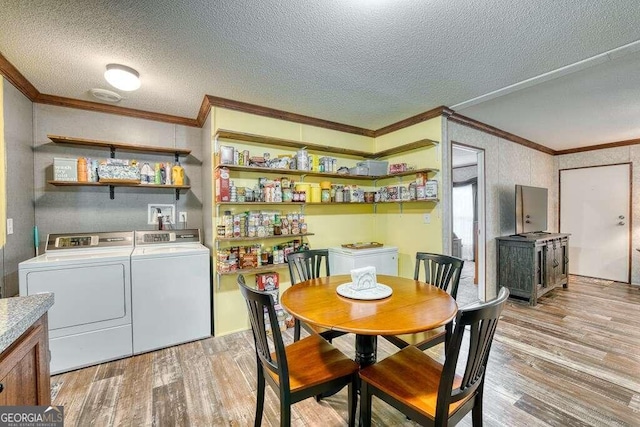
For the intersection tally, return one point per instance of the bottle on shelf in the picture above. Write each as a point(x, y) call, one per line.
point(177, 174)
point(82, 169)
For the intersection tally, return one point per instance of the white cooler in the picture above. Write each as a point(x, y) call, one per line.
point(384, 259)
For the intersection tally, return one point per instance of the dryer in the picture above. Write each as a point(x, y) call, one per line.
point(171, 289)
point(90, 276)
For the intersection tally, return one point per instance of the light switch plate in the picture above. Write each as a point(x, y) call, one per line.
point(426, 218)
point(9, 225)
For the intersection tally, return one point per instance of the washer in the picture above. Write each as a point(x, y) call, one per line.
point(171, 289)
point(90, 276)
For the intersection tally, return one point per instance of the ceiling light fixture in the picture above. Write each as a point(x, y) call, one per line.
point(122, 77)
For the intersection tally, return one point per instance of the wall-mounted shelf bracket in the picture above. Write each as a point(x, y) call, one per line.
point(112, 192)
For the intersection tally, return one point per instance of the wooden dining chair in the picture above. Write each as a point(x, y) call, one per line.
point(444, 272)
point(306, 265)
point(305, 368)
point(428, 392)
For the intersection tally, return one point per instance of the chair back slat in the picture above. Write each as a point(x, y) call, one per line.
point(259, 303)
point(482, 321)
point(442, 271)
point(307, 265)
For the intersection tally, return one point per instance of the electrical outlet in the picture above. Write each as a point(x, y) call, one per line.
point(426, 218)
point(167, 211)
point(9, 225)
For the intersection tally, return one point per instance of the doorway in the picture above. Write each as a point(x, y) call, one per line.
point(595, 208)
point(468, 218)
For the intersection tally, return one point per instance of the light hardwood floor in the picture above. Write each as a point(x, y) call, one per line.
point(573, 360)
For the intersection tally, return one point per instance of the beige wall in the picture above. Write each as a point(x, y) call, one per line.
point(611, 156)
point(507, 164)
point(332, 225)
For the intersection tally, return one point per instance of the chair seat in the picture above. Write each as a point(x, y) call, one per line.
point(411, 377)
point(313, 361)
point(422, 340)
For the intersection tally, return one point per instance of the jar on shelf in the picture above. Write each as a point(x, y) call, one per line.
point(325, 197)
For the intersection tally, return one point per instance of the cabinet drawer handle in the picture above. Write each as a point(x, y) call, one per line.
point(1, 387)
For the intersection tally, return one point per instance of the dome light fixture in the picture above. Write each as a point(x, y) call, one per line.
point(122, 77)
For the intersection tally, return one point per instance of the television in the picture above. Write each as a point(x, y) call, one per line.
point(531, 209)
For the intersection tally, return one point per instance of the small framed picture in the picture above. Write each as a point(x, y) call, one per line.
point(431, 189)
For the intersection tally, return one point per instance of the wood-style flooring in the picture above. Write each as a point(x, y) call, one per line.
point(573, 360)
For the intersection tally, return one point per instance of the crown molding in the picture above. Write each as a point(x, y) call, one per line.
point(113, 109)
point(469, 122)
point(599, 147)
point(438, 111)
point(285, 115)
point(16, 78)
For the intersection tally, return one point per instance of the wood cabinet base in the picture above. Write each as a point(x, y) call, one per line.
point(24, 368)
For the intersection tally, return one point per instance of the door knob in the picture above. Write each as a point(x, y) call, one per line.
point(621, 223)
point(621, 217)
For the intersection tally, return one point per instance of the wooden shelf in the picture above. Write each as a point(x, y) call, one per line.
point(258, 203)
point(408, 173)
point(267, 140)
point(117, 145)
point(245, 239)
point(423, 143)
point(112, 185)
point(295, 172)
point(327, 203)
point(260, 269)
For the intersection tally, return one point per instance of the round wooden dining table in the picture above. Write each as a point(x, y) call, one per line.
point(413, 306)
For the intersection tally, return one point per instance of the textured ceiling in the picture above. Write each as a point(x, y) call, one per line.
point(366, 63)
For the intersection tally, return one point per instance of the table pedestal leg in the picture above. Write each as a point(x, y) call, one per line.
point(366, 349)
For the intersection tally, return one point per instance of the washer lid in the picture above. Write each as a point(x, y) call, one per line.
point(158, 251)
point(61, 258)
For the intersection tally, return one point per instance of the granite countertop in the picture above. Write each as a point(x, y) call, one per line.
point(19, 313)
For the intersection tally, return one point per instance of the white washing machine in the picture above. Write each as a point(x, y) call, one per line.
point(90, 275)
point(171, 289)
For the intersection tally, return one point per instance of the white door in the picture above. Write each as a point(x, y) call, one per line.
point(595, 210)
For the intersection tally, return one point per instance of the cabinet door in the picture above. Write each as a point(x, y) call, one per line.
point(563, 259)
point(550, 263)
point(24, 368)
point(540, 268)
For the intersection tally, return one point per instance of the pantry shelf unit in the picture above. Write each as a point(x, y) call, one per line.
point(279, 142)
point(246, 239)
point(113, 146)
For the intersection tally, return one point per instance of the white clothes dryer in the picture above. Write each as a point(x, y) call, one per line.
point(171, 289)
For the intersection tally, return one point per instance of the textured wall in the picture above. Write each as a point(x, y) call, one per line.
point(18, 129)
point(608, 157)
point(507, 164)
point(82, 209)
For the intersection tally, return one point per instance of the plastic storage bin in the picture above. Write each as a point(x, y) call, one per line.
point(376, 167)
